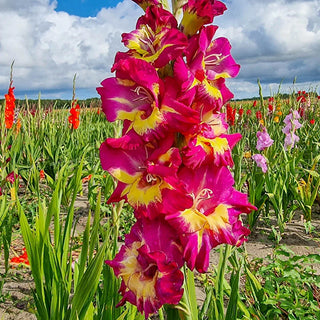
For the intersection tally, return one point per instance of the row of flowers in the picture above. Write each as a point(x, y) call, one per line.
point(241, 114)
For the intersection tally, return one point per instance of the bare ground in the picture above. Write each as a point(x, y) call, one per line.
point(17, 300)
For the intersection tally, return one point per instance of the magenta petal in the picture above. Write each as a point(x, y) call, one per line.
point(157, 47)
point(213, 93)
point(219, 62)
point(147, 175)
point(144, 4)
point(114, 158)
point(200, 42)
point(11, 177)
point(198, 13)
point(157, 17)
point(117, 98)
point(213, 218)
point(133, 94)
point(140, 72)
point(206, 148)
point(183, 74)
point(149, 265)
point(129, 141)
point(233, 139)
point(203, 257)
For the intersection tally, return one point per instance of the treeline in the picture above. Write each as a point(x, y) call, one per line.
point(279, 95)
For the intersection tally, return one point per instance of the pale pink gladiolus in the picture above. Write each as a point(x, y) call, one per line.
point(264, 141)
point(261, 162)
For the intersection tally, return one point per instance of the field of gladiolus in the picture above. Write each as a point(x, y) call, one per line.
point(168, 200)
point(57, 228)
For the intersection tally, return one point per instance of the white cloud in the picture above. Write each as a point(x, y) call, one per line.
point(274, 40)
point(49, 47)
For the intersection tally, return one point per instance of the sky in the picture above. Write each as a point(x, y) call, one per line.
point(50, 41)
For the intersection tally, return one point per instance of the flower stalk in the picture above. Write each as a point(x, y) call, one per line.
point(172, 159)
point(10, 102)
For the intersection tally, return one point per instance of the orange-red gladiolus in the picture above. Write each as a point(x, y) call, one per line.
point(18, 126)
point(21, 259)
point(9, 109)
point(74, 116)
point(86, 179)
point(42, 175)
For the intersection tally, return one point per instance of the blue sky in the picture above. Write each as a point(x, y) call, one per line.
point(52, 40)
point(85, 8)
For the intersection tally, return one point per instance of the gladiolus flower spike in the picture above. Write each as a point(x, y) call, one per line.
point(261, 162)
point(22, 259)
point(263, 139)
point(75, 109)
point(291, 125)
point(173, 158)
point(74, 116)
point(9, 112)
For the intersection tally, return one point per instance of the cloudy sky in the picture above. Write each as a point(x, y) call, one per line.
point(50, 41)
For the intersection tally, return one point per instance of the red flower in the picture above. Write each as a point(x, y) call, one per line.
point(254, 103)
point(270, 107)
point(9, 109)
point(86, 179)
point(301, 111)
point(249, 112)
point(301, 99)
point(231, 114)
point(312, 121)
point(21, 259)
point(42, 175)
point(259, 115)
point(302, 95)
point(11, 177)
point(74, 116)
point(240, 112)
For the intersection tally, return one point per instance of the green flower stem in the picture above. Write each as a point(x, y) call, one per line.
point(187, 308)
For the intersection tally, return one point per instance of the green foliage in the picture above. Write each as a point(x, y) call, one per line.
point(51, 259)
point(284, 286)
point(291, 181)
point(6, 223)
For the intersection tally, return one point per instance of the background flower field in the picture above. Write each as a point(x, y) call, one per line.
point(53, 202)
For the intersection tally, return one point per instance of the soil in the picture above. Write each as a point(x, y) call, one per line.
point(17, 299)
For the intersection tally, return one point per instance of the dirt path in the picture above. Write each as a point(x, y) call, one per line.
point(17, 304)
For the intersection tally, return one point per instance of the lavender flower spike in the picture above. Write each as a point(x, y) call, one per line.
point(261, 162)
point(264, 140)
